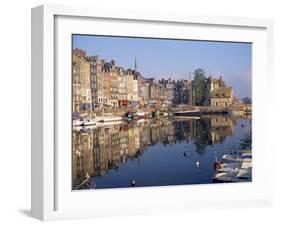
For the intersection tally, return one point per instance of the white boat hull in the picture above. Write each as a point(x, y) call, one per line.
point(108, 119)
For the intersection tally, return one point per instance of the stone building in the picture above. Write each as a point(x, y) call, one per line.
point(168, 87)
point(96, 78)
point(135, 89)
point(75, 89)
point(222, 96)
point(82, 98)
point(153, 91)
point(122, 87)
point(106, 84)
point(161, 92)
point(212, 84)
point(130, 86)
point(113, 83)
point(143, 91)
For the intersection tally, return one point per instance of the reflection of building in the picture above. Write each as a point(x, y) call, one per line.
point(97, 151)
point(82, 157)
point(133, 141)
point(221, 127)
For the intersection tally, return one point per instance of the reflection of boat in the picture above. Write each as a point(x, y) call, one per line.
point(108, 117)
point(88, 122)
point(187, 113)
point(129, 115)
point(78, 122)
point(142, 120)
point(78, 128)
point(108, 123)
point(155, 114)
point(84, 122)
point(142, 114)
point(90, 127)
point(186, 117)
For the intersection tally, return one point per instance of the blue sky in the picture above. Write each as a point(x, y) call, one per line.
point(162, 58)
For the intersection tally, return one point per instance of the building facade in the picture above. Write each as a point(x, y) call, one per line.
point(82, 97)
point(211, 85)
point(130, 86)
point(101, 85)
point(122, 87)
point(222, 97)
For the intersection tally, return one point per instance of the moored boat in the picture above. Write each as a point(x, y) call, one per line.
point(236, 175)
point(108, 117)
point(236, 158)
point(234, 166)
point(187, 113)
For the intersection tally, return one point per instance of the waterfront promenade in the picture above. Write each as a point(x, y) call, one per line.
point(204, 110)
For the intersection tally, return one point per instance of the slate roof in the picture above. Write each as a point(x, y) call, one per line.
point(222, 92)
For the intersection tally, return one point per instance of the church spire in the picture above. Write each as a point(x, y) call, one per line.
point(135, 67)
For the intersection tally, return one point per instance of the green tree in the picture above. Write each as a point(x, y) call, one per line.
point(199, 86)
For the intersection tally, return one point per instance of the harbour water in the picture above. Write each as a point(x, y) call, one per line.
point(154, 152)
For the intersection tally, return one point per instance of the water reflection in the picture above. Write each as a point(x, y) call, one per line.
point(111, 156)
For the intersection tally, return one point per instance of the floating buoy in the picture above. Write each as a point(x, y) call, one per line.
point(197, 164)
point(133, 183)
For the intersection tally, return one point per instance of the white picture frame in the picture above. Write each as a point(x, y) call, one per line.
point(51, 198)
